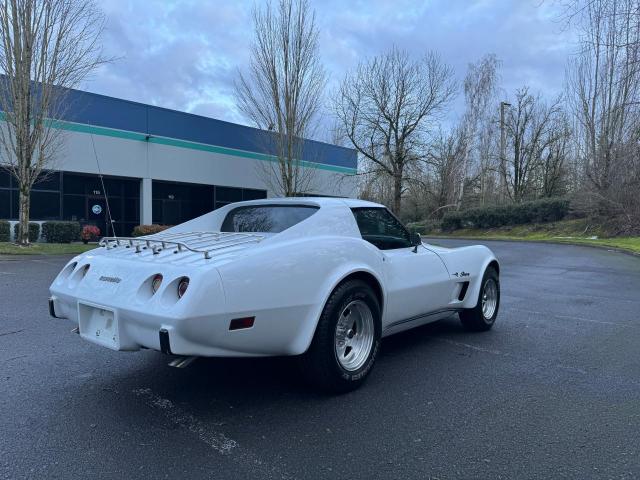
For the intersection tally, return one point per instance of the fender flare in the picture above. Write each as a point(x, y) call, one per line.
point(329, 288)
point(474, 290)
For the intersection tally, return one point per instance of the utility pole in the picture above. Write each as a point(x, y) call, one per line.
point(503, 143)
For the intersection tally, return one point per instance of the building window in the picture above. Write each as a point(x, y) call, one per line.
point(45, 205)
point(5, 203)
point(175, 203)
point(48, 181)
point(84, 201)
point(14, 205)
point(252, 194)
point(45, 197)
point(81, 198)
point(227, 195)
point(5, 178)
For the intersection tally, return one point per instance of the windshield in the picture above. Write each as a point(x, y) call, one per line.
point(266, 218)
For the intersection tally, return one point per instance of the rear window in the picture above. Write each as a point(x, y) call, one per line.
point(266, 218)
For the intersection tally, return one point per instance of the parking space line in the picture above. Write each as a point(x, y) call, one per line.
point(11, 333)
point(508, 354)
point(216, 440)
point(574, 295)
point(569, 317)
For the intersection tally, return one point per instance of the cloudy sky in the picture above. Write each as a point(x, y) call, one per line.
point(185, 54)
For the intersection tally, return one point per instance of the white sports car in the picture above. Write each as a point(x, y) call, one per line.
point(323, 278)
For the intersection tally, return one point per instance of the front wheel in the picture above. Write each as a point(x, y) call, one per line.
point(482, 317)
point(347, 339)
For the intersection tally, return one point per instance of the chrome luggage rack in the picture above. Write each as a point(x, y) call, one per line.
point(206, 243)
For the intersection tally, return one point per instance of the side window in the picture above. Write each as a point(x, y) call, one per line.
point(379, 227)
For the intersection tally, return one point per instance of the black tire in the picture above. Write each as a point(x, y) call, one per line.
point(320, 363)
point(474, 319)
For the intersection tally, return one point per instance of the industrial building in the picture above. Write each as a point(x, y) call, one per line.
point(160, 166)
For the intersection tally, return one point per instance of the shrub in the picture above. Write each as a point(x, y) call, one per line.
point(61, 232)
point(34, 231)
point(537, 211)
point(141, 230)
point(451, 221)
point(90, 233)
point(424, 227)
point(4, 231)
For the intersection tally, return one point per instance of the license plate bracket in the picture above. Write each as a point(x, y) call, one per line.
point(99, 325)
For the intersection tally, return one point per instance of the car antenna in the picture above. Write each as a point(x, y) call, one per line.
point(104, 190)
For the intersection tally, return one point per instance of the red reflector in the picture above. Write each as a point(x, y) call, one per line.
point(240, 323)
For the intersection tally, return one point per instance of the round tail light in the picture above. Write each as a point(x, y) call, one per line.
point(156, 282)
point(182, 286)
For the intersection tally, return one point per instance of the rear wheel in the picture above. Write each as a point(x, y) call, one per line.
point(483, 315)
point(347, 339)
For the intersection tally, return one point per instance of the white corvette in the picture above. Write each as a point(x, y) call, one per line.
point(323, 278)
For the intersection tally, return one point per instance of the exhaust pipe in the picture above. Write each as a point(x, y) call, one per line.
point(182, 362)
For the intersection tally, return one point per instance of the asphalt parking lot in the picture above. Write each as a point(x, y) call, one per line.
point(553, 391)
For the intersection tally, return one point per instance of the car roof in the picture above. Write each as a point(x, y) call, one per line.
point(319, 201)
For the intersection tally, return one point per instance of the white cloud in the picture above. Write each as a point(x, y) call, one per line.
point(185, 55)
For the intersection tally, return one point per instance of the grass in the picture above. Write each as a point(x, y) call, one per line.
point(7, 248)
point(575, 232)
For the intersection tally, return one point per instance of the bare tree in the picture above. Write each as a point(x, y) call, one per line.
point(480, 86)
point(554, 158)
point(283, 90)
point(603, 83)
point(487, 169)
point(375, 184)
point(443, 167)
point(47, 47)
point(457, 167)
point(386, 108)
point(460, 164)
point(531, 133)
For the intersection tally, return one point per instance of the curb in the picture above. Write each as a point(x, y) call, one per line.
point(552, 241)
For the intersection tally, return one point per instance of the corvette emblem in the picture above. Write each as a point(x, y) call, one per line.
point(110, 279)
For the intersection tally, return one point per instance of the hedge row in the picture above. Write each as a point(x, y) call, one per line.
point(424, 227)
point(61, 232)
point(141, 230)
point(538, 211)
point(34, 231)
point(66, 232)
point(4, 231)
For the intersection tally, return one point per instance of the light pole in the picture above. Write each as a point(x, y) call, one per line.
point(503, 141)
point(503, 134)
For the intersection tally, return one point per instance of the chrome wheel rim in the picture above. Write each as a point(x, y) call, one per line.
point(489, 298)
point(354, 335)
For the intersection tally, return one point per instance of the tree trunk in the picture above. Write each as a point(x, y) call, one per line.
point(23, 229)
point(397, 193)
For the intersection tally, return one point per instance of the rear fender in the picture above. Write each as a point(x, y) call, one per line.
point(329, 286)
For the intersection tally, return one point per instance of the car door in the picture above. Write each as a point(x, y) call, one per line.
point(416, 280)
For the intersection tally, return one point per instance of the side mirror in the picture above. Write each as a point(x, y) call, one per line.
point(416, 240)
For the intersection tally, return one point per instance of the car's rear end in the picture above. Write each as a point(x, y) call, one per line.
point(124, 299)
point(165, 292)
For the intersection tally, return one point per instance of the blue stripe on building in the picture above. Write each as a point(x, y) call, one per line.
point(109, 112)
